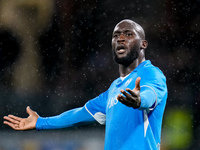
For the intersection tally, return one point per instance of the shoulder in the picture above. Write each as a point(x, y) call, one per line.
point(151, 75)
point(149, 70)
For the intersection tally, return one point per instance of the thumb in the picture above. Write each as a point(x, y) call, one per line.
point(137, 84)
point(29, 111)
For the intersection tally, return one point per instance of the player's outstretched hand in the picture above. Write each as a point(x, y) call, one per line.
point(18, 123)
point(131, 98)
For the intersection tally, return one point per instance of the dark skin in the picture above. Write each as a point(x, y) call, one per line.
point(127, 36)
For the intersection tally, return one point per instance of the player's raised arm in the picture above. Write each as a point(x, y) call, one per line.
point(73, 117)
point(18, 123)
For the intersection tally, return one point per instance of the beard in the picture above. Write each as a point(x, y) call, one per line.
point(129, 58)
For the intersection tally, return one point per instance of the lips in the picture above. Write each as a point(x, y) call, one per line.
point(121, 49)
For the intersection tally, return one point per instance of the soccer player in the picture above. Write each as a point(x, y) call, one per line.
point(133, 106)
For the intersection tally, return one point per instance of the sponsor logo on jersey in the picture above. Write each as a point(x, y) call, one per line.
point(128, 82)
point(112, 102)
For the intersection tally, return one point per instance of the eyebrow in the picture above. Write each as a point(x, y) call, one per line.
point(135, 32)
point(119, 31)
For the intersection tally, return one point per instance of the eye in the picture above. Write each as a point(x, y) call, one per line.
point(115, 35)
point(129, 34)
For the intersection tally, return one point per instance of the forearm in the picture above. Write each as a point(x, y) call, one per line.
point(148, 98)
point(67, 119)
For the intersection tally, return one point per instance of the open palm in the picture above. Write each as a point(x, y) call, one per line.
point(131, 98)
point(18, 123)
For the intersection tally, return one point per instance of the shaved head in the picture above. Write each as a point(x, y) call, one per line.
point(128, 43)
point(136, 26)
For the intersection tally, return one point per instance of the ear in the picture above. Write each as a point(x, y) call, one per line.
point(144, 44)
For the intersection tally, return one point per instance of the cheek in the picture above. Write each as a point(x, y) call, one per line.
point(130, 43)
point(113, 43)
point(133, 43)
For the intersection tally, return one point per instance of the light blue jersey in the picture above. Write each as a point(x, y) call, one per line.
point(128, 128)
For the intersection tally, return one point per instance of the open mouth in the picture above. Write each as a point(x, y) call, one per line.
point(121, 49)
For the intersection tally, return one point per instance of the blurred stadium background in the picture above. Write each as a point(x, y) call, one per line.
point(56, 55)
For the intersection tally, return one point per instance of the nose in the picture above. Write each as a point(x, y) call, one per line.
point(121, 38)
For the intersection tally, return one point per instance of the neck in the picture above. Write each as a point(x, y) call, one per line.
point(125, 70)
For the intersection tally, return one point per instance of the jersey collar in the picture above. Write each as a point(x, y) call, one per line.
point(142, 64)
point(119, 80)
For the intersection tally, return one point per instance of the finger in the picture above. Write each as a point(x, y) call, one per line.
point(29, 110)
point(14, 126)
point(126, 94)
point(11, 120)
point(124, 100)
point(120, 97)
point(132, 92)
point(15, 117)
point(137, 84)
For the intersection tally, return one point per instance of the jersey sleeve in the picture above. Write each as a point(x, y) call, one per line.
point(153, 89)
point(97, 107)
point(93, 110)
point(74, 117)
point(148, 98)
